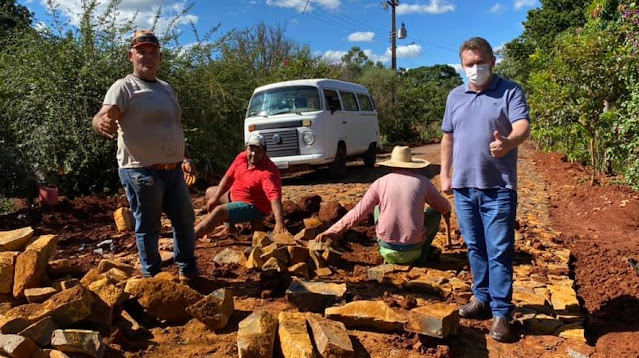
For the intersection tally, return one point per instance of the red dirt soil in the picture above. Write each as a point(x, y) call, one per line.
point(600, 225)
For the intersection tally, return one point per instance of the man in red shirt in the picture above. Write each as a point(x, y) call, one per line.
point(255, 190)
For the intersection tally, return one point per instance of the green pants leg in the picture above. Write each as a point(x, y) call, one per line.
point(431, 223)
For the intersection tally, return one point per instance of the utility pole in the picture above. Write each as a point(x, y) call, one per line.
point(393, 37)
point(393, 34)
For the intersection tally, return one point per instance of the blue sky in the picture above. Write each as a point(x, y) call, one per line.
point(436, 28)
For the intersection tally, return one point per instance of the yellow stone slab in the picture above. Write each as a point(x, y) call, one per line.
point(14, 240)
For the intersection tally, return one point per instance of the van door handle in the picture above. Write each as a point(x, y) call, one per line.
point(343, 122)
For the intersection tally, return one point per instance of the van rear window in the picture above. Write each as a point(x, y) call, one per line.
point(350, 103)
point(364, 102)
point(294, 99)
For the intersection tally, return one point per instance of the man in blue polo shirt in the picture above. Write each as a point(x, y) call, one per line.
point(485, 121)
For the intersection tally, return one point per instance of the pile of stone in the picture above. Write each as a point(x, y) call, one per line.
point(42, 326)
point(299, 255)
point(44, 310)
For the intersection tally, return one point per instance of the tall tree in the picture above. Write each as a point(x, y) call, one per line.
point(579, 83)
point(441, 75)
point(262, 48)
point(353, 63)
point(543, 24)
point(541, 27)
point(13, 17)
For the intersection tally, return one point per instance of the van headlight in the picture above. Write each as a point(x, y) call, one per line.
point(308, 138)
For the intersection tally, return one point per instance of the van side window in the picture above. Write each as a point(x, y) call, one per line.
point(331, 97)
point(350, 103)
point(364, 102)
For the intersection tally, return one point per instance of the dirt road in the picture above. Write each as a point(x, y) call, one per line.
point(566, 229)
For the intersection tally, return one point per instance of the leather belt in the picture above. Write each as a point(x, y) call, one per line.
point(164, 166)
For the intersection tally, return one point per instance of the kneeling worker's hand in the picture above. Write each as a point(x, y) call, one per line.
point(279, 228)
point(324, 236)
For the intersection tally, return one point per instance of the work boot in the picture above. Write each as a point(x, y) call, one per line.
point(501, 330)
point(475, 309)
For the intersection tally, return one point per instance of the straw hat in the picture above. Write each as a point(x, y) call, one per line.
point(402, 158)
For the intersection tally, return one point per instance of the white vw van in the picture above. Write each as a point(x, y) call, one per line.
point(315, 122)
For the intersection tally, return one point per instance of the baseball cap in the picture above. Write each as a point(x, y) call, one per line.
point(255, 139)
point(144, 37)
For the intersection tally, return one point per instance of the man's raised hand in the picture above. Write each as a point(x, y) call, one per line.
point(500, 146)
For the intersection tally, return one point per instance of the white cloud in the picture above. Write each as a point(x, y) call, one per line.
point(373, 57)
point(519, 4)
point(143, 10)
point(40, 26)
point(408, 51)
point(458, 67)
point(434, 7)
point(361, 37)
point(300, 5)
point(497, 9)
point(333, 56)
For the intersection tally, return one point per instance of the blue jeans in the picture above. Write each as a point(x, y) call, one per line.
point(150, 192)
point(486, 220)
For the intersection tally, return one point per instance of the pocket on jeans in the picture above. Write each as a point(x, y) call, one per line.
point(141, 179)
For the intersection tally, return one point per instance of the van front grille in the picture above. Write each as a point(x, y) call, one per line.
point(281, 143)
point(276, 125)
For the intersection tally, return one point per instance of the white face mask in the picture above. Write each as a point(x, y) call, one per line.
point(478, 74)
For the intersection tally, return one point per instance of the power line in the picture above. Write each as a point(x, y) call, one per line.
point(347, 23)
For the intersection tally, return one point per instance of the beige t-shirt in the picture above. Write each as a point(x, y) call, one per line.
point(150, 129)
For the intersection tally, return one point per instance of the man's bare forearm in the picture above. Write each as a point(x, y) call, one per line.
point(446, 154)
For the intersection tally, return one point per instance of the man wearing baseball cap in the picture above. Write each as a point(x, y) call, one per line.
point(152, 157)
point(249, 191)
point(404, 228)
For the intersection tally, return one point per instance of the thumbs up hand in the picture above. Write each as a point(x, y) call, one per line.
point(500, 146)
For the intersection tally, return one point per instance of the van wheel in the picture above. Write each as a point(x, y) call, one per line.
point(370, 156)
point(337, 169)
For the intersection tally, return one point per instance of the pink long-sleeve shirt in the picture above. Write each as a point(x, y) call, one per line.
point(401, 196)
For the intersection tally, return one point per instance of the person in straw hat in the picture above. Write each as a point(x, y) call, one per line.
point(404, 229)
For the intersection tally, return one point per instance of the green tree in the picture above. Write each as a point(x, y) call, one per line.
point(626, 148)
point(13, 17)
point(422, 98)
point(553, 17)
point(261, 48)
point(578, 84)
point(353, 64)
point(54, 82)
point(541, 27)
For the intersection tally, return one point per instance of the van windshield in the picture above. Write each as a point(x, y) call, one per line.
point(295, 99)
